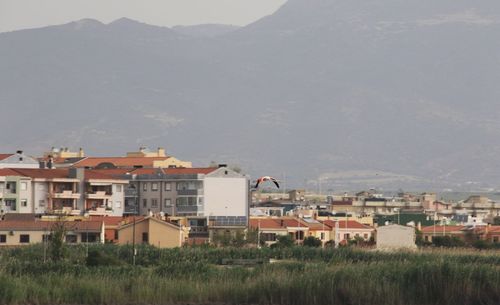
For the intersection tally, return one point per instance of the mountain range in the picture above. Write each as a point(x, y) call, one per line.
point(323, 93)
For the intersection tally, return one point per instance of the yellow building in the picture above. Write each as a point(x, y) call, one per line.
point(64, 153)
point(26, 232)
point(153, 231)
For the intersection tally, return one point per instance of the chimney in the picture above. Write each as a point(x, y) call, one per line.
point(42, 164)
point(222, 165)
point(81, 154)
point(50, 163)
point(161, 152)
point(19, 152)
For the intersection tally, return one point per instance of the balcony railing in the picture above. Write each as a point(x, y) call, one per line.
point(65, 195)
point(98, 195)
point(188, 208)
point(190, 192)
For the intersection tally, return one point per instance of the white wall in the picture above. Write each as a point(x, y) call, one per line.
point(225, 196)
point(40, 192)
point(118, 197)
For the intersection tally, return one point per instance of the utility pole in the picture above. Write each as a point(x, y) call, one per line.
point(133, 243)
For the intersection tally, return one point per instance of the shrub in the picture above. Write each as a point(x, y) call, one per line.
point(312, 241)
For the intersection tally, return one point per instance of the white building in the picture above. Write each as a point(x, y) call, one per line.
point(18, 160)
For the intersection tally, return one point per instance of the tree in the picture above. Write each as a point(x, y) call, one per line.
point(284, 241)
point(57, 235)
point(312, 241)
point(496, 221)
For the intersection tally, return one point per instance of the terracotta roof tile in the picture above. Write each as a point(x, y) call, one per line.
point(440, 229)
point(42, 173)
point(5, 156)
point(46, 225)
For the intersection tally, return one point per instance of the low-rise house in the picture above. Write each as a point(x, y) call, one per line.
point(396, 237)
point(268, 228)
point(429, 232)
point(153, 231)
point(345, 230)
point(26, 232)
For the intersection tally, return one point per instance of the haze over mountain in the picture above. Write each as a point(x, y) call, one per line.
point(356, 93)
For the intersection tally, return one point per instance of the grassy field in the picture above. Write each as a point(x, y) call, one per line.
point(302, 276)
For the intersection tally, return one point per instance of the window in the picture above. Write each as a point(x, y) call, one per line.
point(118, 204)
point(3, 238)
point(168, 186)
point(322, 236)
point(144, 202)
point(89, 237)
point(24, 238)
point(71, 239)
point(41, 202)
point(347, 236)
point(24, 202)
point(168, 202)
point(365, 236)
point(183, 201)
point(46, 237)
point(145, 237)
point(41, 187)
point(116, 234)
point(145, 186)
point(118, 188)
point(154, 203)
point(24, 186)
point(154, 186)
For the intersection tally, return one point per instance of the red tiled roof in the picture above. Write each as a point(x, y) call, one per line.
point(99, 175)
point(119, 161)
point(440, 229)
point(5, 156)
point(108, 220)
point(41, 173)
point(42, 225)
point(8, 172)
point(266, 223)
point(349, 224)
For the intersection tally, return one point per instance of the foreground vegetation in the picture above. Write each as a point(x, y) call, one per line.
point(302, 276)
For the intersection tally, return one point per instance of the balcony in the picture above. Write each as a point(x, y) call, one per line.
point(65, 195)
point(188, 209)
point(100, 212)
point(130, 193)
point(190, 192)
point(67, 211)
point(98, 195)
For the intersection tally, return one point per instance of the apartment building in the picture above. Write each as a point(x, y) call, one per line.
point(68, 191)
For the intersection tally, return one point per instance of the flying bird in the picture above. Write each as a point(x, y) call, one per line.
point(267, 178)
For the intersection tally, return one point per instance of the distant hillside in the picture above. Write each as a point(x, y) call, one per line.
point(205, 30)
point(389, 94)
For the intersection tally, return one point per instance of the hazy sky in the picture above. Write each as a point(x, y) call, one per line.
point(20, 14)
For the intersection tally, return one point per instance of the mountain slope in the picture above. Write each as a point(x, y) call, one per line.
point(354, 93)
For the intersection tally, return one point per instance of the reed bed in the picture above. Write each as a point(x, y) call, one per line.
point(303, 276)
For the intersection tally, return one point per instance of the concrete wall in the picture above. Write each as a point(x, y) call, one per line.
point(396, 237)
point(226, 196)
